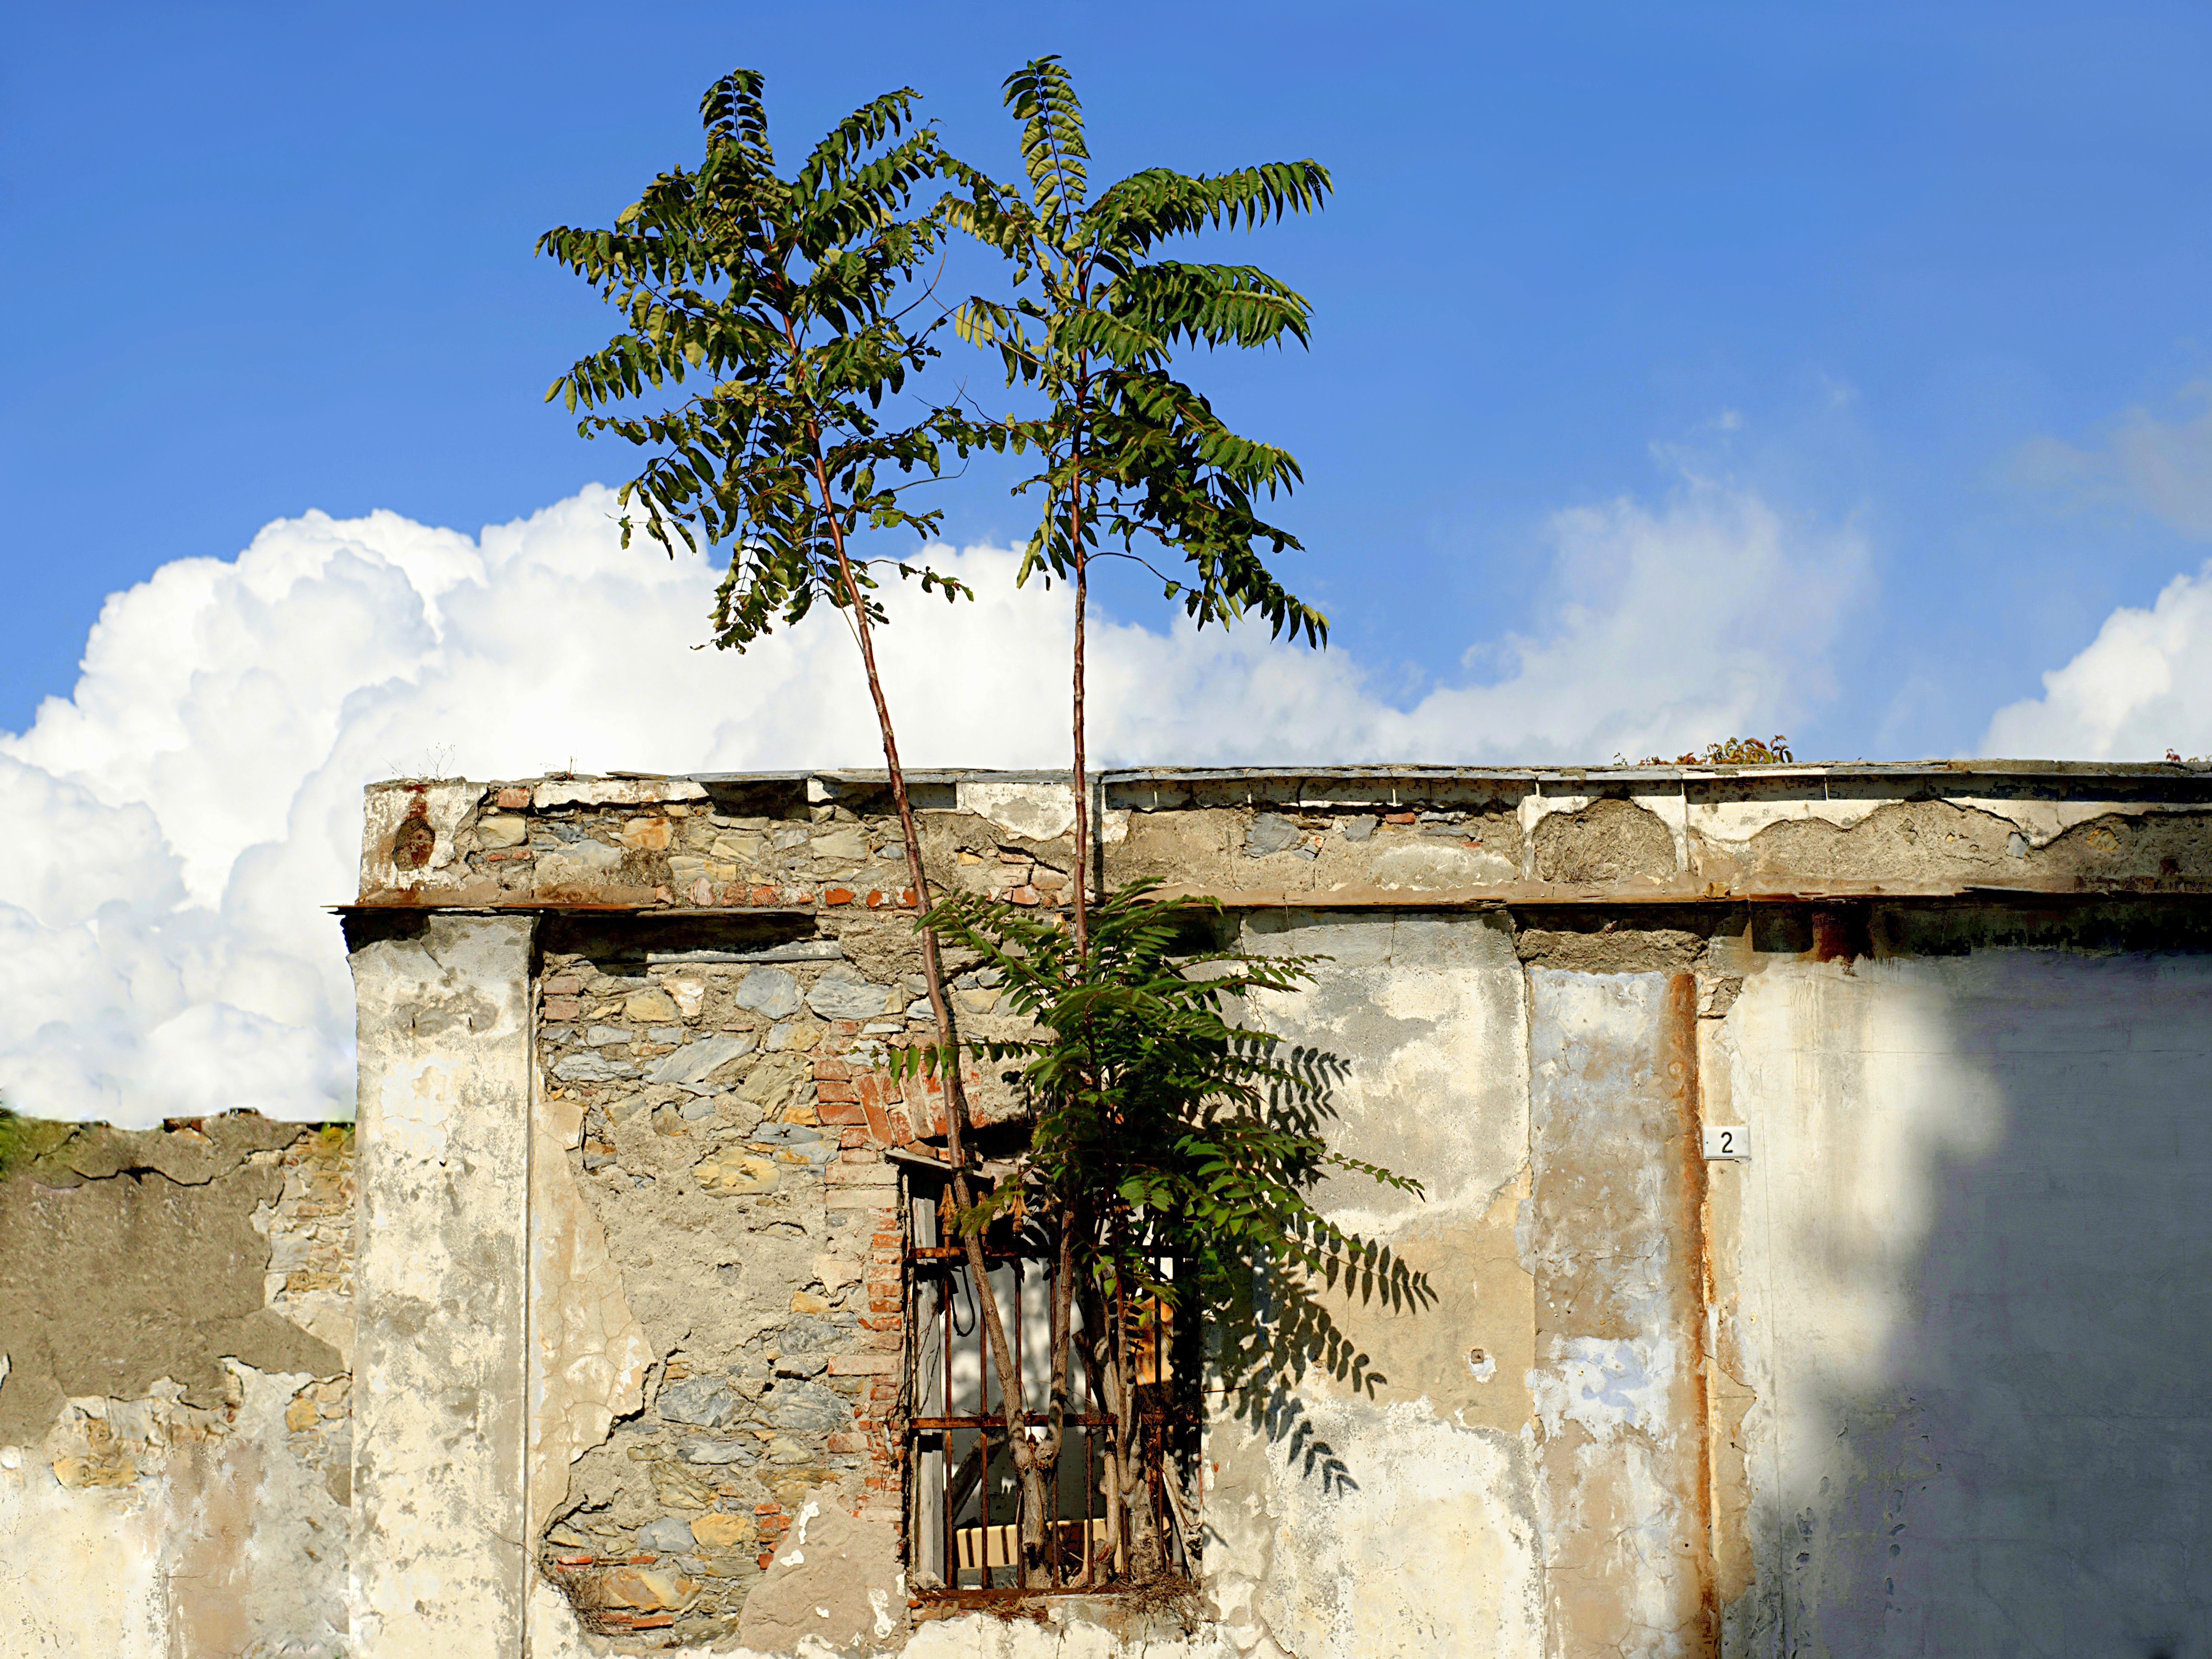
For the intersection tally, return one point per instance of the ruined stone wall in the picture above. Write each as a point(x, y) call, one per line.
point(729, 1128)
point(1661, 1405)
point(175, 1395)
point(616, 1367)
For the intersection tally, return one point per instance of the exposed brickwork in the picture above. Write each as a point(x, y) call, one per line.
point(763, 1086)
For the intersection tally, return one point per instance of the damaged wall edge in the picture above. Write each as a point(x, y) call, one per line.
point(175, 1399)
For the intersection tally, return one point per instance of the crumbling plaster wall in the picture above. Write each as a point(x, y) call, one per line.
point(174, 1428)
point(732, 1184)
point(1428, 1540)
point(1448, 1466)
point(713, 1141)
point(1611, 1433)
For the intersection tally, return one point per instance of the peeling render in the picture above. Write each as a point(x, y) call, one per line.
point(1619, 1427)
point(1658, 1405)
point(589, 1355)
point(1918, 1376)
point(175, 1420)
point(439, 1560)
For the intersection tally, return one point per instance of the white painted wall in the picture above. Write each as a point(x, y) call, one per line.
point(1976, 1270)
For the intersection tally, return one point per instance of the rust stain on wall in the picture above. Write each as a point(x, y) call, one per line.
point(1680, 1027)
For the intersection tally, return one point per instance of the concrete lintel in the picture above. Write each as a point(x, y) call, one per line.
point(1519, 894)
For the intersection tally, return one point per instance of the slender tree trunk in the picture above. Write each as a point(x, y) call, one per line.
point(1041, 1479)
point(1082, 925)
point(1100, 1314)
point(1143, 1529)
point(956, 1100)
point(1081, 780)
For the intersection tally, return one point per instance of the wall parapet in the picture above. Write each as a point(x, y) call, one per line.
point(806, 844)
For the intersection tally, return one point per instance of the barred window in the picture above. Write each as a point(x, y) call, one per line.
point(964, 1512)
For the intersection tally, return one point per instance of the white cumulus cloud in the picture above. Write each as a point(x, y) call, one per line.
point(2143, 686)
point(179, 823)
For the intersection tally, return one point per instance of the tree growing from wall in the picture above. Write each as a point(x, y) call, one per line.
point(1173, 1146)
point(1172, 1153)
point(789, 297)
point(1163, 1128)
point(1129, 455)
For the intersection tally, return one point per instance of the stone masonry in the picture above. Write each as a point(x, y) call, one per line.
point(1813, 1168)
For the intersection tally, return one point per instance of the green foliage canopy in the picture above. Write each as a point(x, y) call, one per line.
point(1160, 1116)
point(790, 297)
point(1129, 451)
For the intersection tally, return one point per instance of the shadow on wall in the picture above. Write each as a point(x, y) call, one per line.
point(1272, 1328)
point(1979, 1229)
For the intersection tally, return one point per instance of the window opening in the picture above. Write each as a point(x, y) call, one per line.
point(964, 1513)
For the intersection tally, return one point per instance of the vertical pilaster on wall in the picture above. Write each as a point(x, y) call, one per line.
point(439, 1562)
point(1615, 1241)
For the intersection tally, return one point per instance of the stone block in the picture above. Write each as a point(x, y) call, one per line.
point(702, 1401)
point(772, 992)
point(651, 1008)
point(846, 844)
point(843, 994)
point(716, 1451)
point(697, 1061)
point(803, 1408)
point(646, 1588)
point(732, 1174)
point(719, 1531)
point(669, 1535)
point(591, 1069)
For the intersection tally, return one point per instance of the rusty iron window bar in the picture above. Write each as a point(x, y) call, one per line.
point(962, 1510)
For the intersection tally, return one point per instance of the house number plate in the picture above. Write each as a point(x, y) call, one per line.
point(1728, 1140)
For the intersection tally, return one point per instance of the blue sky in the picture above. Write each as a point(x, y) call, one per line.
point(1869, 262)
point(1678, 373)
